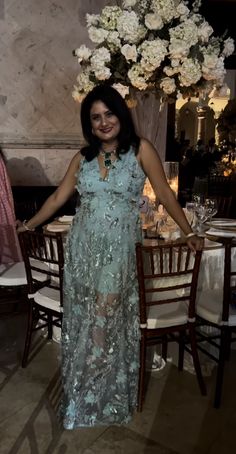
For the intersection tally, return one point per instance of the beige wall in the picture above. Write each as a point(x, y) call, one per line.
point(36, 79)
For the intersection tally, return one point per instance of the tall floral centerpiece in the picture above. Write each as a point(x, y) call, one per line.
point(151, 50)
point(159, 46)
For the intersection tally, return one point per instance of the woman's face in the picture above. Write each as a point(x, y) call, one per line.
point(105, 124)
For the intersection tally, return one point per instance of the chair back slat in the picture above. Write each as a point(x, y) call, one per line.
point(229, 276)
point(223, 206)
point(43, 257)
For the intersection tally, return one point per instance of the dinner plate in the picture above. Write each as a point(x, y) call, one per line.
point(222, 224)
point(221, 233)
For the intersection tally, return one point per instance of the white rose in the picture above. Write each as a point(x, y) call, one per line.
point(92, 19)
point(168, 85)
point(182, 10)
point(228, 47)
point(153, 22)
point(122, 89)
point(205, 31)
point(83, 53)
point(103, 73)
point(216, 72)
point(210, 61)
point(129, 52)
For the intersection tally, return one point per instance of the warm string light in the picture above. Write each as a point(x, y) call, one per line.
point(229, 162)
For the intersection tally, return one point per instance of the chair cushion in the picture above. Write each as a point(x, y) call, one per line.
point(13, 274)
point(209, 307)
point(49, 298)
point(165, 315)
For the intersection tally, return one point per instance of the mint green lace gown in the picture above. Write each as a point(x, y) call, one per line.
point(100, 334)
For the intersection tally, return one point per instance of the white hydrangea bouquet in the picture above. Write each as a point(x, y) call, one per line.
point(156, 45)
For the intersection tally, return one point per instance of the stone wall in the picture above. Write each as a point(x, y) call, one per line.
point(37, 76)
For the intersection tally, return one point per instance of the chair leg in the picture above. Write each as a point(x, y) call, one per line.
point(164, 348)
point(49, 326)
point(220, 368)
point(141, 388)
point(196, 361)
point(28, 334)
point(181, 350)
point(228, 344)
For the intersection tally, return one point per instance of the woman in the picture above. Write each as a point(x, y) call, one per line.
point(100, 334)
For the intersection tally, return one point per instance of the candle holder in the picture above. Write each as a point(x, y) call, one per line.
point(172, 175)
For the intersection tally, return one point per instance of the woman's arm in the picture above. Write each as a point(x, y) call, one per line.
point(152, 166)
point(58, 198)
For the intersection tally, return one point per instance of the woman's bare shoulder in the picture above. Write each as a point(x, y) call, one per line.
point(76, 160)
point(145, 144)
point(146, 149)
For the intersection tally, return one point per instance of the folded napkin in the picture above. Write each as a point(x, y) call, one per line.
point(58, 227)
point(66, 219)
point(223, 233)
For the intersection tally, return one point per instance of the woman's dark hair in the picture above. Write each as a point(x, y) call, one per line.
point(127, 136)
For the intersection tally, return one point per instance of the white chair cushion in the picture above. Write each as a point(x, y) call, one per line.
point(209, 307)
point(49, 298)
point(166, 315)
point(13, 274)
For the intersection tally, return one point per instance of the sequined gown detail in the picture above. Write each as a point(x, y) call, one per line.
point(100, 334)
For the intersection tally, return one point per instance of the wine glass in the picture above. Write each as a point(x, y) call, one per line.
point(211, 206)
point(190, 206)
point(202, 215)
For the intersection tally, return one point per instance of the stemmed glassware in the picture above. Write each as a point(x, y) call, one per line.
point(204, 211)
point(190, 207)
point(211, 205)
point(201, 213)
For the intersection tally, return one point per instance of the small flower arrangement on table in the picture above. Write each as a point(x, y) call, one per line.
point(163, 46)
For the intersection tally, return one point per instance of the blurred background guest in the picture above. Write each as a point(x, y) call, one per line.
point(9, 245)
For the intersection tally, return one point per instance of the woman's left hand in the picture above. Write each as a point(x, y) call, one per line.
point(195, 243)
